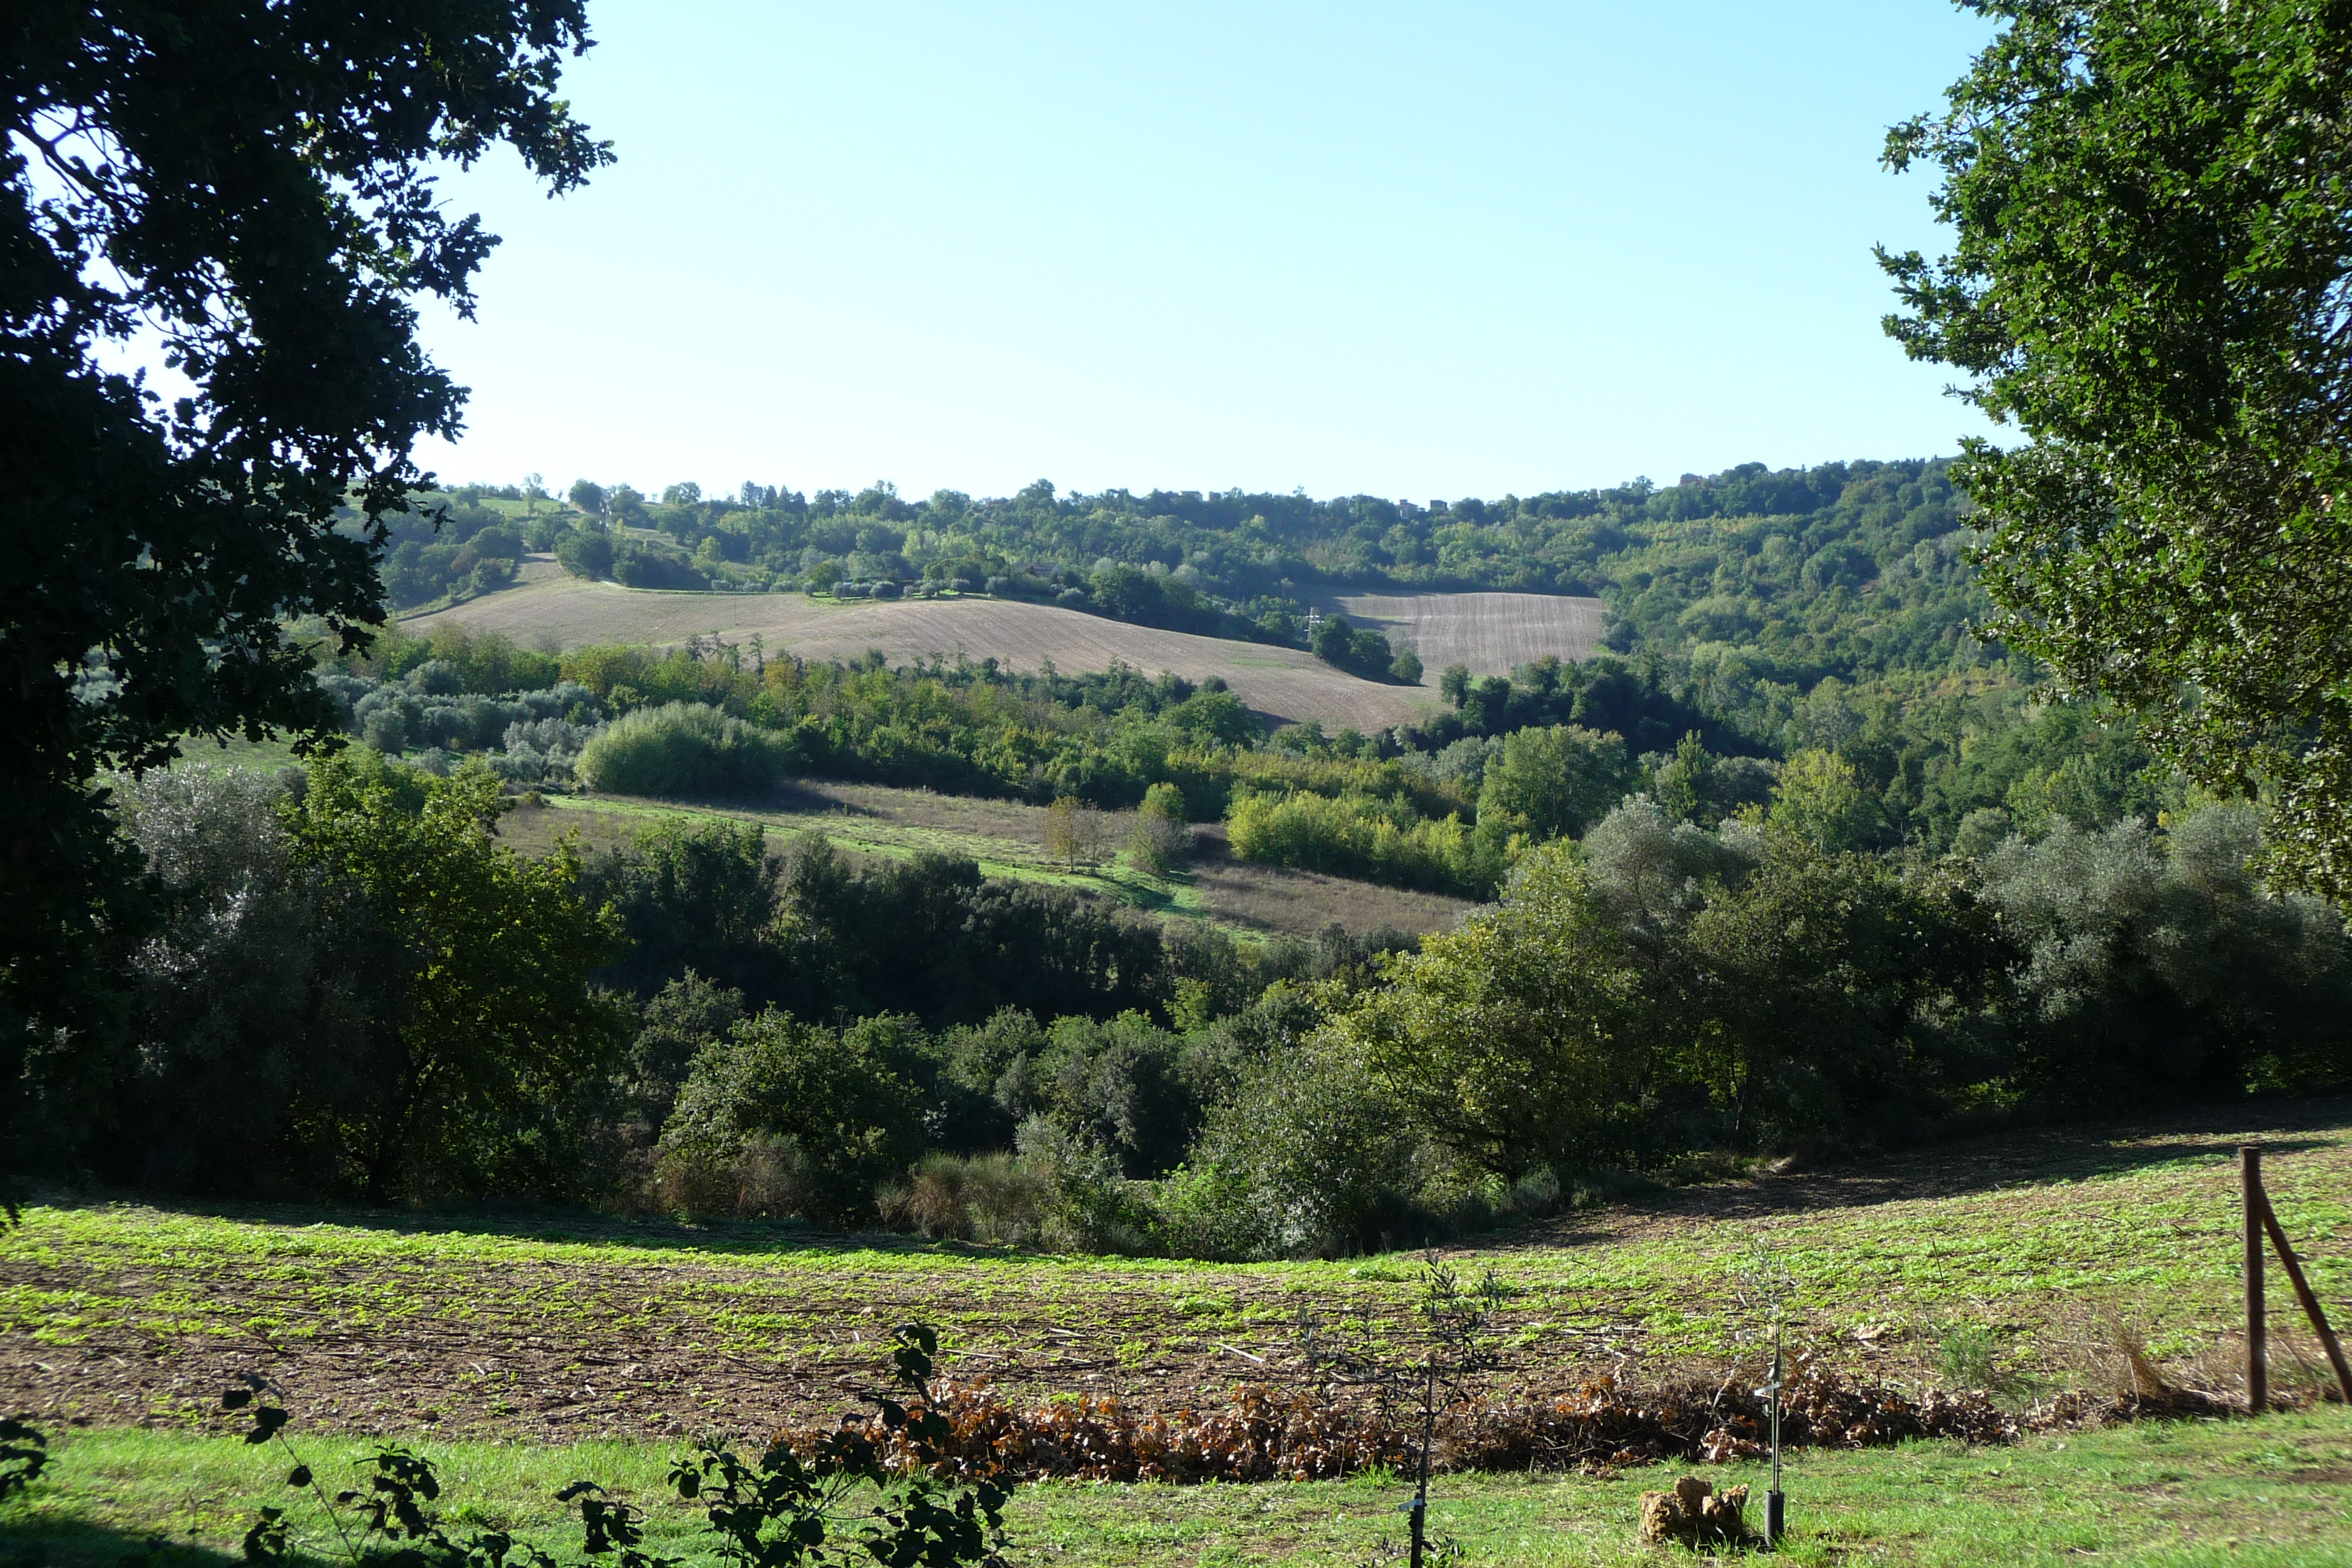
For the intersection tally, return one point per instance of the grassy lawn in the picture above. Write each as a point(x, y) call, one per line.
point(551, 1327)
point(2278, 1491)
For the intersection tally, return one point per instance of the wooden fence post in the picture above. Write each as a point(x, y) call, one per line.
point(2250, 1175)
point(2304, 1294)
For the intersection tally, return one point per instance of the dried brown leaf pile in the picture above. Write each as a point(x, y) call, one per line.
point(1273, 1433)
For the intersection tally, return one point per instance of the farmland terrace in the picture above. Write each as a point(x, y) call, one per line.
point(564, 1328)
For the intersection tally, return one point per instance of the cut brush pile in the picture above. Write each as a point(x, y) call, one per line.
point(1273, 1433)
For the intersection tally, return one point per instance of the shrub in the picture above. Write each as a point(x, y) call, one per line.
point(1843, 1002)
point(1376, 841)
point(994, 1198)
point(1125, 1088)
point(683, 749)
point(1310, 1156)
point(587, 552)
point(1074, 832)
point(1552, 782)
point(1514, 1040)
point(640, 566)
point(1160, 841)
point(763, 1176)
point(386, 729)
point(357, 990)
point(1359, 649)
point(687, 1017)
point(833, 1099)
point(1655, 869)
point(437, 677)
point(700, 895)
point(2163, 968)
point(1093, 1208)
point(930, 936)
point(247, 999)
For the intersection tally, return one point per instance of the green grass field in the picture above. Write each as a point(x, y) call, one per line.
point(2273, 1492)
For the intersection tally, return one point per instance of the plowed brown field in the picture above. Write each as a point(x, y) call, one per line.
point(549, 609)
point(1488, 632)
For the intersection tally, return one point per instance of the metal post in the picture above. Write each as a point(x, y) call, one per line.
point(2250, 1175)
point(1772, 1499)
point(1421, 1492)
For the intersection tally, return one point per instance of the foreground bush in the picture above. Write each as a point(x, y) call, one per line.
point(986, 1197)
point(683, 749)
point(843, 1500)
point(1517, 1039)
point(1310, 1156)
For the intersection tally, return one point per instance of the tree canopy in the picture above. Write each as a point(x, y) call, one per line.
point(2151, 282)
point(247, 186)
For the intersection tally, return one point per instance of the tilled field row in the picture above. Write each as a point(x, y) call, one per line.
point(587, 1350)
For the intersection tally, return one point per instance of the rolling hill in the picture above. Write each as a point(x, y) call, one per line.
point(1489, 632)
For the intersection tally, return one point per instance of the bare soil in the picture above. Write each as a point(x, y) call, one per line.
point(475, 1351)
point(1288, 685)
point(1490, 633)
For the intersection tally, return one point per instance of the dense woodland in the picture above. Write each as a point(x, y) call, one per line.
point(1800, 865)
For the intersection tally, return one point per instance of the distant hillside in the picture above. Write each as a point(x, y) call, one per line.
point(1854, 569)
point(1495, 631)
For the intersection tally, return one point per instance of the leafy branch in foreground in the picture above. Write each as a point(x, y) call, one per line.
point(792, 1509)
point(787, 1509)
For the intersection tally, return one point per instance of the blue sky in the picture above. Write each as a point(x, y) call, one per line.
point(1426, 251)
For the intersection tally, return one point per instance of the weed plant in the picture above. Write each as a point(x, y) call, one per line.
point(848, 1500)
